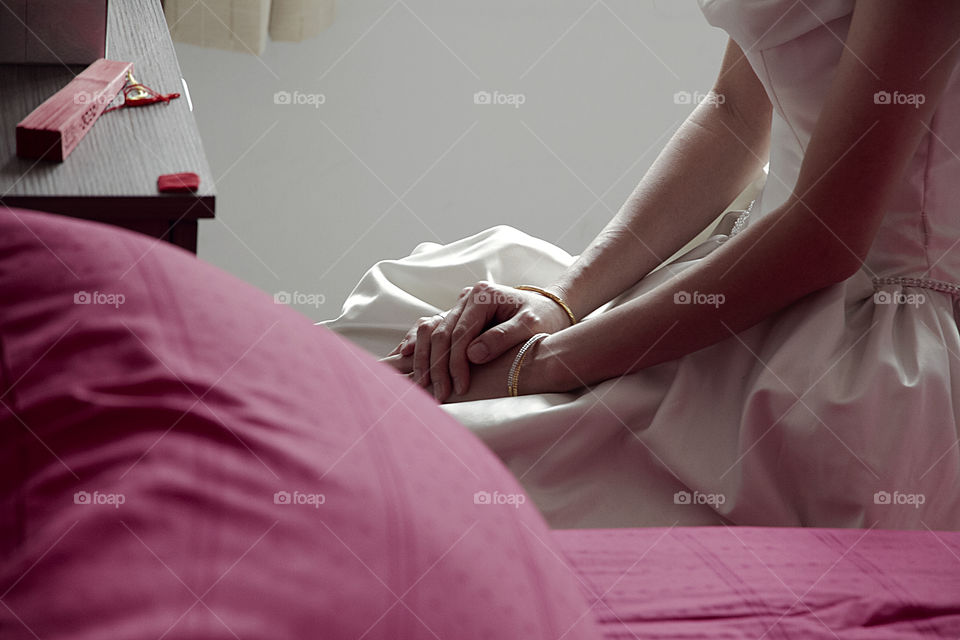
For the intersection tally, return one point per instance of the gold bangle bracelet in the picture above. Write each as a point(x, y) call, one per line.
point(513, 378)
point(552, 296)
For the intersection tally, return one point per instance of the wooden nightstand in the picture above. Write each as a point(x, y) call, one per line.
point(112, 175)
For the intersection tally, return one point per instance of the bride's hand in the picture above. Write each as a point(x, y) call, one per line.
point(487, 320)
point(487, 381)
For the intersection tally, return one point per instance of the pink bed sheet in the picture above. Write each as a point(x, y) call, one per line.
point(749, 582)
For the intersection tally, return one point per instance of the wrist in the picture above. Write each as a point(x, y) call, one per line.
point(564, 293)
point(544, 372)
point(569, 294)
point(556, 299)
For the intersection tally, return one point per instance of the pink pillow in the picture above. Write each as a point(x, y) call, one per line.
point(182, 458)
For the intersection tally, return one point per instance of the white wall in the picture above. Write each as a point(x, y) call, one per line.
point(307, 197)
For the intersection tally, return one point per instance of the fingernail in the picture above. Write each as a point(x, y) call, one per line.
point(478, 352)
point(458, 387)
point(436, 391)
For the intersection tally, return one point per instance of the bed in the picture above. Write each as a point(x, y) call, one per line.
point(184, 458)
point(754, 582)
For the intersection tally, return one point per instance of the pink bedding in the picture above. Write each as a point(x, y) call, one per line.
point(181, 458)
point(745, 582)
point(193, 461)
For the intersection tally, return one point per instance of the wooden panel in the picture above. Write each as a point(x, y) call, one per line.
point(112, 174)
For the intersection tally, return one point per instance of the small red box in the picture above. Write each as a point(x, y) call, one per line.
point(178, 182)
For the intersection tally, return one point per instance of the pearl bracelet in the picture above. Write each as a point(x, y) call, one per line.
point(513, 378)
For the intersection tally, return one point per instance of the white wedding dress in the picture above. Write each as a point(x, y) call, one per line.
point(839, 411)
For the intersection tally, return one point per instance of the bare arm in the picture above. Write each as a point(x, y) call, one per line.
point(714, 155)
point(855, 158)
point(718, 151)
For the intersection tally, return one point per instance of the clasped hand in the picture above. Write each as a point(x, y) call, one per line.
point(466, 352)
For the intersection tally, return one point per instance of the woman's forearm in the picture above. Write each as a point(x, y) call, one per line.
point(761, 270)
point(854, 161)
point(707, 163)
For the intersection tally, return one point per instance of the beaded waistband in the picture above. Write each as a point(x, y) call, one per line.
point(741, 222)
point(925, 283)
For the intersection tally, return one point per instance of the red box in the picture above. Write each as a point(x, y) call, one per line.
point(54, 129)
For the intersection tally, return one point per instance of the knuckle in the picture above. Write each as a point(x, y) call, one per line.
point(460, 331)
point(528, 318)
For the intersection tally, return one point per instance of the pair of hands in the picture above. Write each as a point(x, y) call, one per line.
point(466, 352)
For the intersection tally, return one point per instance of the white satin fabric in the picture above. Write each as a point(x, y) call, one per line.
point(839, 411)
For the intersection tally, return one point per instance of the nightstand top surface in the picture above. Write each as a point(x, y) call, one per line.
point(112, 174)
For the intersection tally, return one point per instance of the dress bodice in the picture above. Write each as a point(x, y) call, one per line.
point(794, 48)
